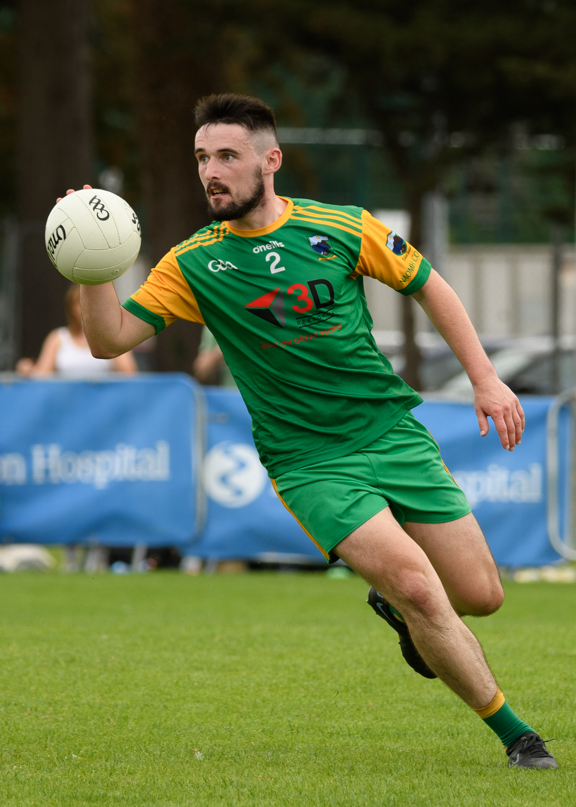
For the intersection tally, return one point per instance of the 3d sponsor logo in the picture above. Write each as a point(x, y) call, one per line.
point(233, 474)
point(396, 244)
point(314, 299)
point(321, 245)
point(269, 307)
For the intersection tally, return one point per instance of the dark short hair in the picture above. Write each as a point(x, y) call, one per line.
point(251, 113)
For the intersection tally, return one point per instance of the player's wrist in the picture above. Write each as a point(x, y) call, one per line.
point(481, 376)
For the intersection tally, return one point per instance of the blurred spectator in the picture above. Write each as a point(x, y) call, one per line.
point(65, 351)
point(210, 366)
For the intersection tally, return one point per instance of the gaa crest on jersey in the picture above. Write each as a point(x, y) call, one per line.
point(321, 245)
point(396, 244)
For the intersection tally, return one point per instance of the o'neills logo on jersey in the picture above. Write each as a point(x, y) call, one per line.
point(269, 245)
point(314, 303)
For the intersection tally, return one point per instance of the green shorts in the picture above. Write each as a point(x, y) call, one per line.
point(402, 470)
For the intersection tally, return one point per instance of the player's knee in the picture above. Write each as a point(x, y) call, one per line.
point(495, 599)
point(418, 595)
point(486, 601)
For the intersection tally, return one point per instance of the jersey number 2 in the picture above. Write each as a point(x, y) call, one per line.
point(275, 268)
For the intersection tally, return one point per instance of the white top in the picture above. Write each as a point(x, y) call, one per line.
point(77, 362)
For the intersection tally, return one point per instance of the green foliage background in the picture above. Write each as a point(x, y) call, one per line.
point(453, 88)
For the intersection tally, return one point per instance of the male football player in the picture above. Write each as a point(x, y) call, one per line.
point(279, 282)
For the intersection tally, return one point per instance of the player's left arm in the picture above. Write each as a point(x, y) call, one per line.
point(492, 398)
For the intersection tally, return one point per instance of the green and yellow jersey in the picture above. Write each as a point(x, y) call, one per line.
point(286, 304)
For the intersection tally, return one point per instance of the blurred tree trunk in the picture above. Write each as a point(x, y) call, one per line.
point(412, 355)
point(54, 147)
point(174, 69)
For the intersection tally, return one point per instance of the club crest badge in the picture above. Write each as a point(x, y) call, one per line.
point(321, 245)
point(396, 244)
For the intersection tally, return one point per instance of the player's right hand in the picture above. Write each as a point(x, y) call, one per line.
point(71, 190)
point(494, 399)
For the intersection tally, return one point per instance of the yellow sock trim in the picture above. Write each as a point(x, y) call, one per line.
point(496, 703)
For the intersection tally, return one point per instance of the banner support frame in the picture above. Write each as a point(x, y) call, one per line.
point(553, 475)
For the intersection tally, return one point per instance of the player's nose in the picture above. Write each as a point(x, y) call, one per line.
point(211, 169)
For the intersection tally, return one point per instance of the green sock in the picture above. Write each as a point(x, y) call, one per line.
point(502, 720)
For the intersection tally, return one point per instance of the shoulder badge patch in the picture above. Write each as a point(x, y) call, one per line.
point(396, 244)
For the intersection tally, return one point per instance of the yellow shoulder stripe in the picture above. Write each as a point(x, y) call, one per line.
point(203, 240)
point(346, 216)
point(201, 236)
point(326, 223)
point(331, 218)
point(194, 238)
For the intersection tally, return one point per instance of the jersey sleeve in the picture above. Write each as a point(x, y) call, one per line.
point(388, 258)
point(165, 296)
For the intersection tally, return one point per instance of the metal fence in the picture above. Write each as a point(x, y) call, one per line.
point(563, 540)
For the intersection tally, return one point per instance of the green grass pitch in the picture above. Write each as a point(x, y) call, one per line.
point(261, 689)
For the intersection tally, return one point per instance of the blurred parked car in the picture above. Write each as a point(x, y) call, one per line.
point(530, 366)
point(439, 364)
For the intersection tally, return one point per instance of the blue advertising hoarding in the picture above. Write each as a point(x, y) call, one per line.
point(506, 490)
point(244, 517)
point(119, 462)
point(99, 461)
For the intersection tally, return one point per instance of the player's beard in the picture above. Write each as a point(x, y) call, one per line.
point(238, 209)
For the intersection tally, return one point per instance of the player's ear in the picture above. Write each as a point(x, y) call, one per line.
point(273, 160)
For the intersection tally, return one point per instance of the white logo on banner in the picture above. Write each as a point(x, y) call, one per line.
point(498, 484)
point(51, 465)
point(233, 475)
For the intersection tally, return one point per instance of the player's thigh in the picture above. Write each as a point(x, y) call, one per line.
point(387, 558)
point(331, 499)
point(460, 555)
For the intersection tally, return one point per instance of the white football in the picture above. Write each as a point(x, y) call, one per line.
point(92, 236)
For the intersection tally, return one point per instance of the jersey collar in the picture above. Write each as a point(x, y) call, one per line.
point(271, 227)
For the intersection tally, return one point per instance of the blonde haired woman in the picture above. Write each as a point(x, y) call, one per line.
point(65, 350)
